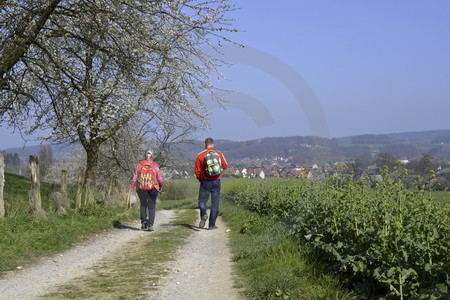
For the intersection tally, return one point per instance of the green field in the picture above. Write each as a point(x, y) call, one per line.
point(389, 242)
point(441, 197)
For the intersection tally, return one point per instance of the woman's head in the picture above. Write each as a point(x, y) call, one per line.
point(149, 154)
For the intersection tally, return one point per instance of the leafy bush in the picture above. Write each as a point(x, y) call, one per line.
point(272, 197)
point(271, 263)
point(395, 238)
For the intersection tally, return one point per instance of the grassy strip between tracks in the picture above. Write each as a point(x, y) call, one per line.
point(134, 271)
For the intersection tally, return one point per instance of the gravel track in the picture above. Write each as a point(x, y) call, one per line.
point(202, 270)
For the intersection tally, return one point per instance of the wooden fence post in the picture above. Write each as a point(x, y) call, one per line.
point(79, 193)
point(2, 184)
point(35, 192)
point(64, 182)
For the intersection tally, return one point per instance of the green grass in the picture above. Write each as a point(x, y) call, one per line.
point(428, 147)
point(16, 192)
point(442, 197)
point(179, 189)
point(271, 265)
point(179, 194)
point(24, 240)
point(189, 203)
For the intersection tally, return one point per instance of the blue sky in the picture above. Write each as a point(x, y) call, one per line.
point(373, 66)
point(357, 66)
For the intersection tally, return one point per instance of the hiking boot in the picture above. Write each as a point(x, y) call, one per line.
point(150, 228)
point(203, 221)
point(143, 226)
point(213, 227)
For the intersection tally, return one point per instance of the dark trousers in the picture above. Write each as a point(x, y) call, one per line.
point(148, 205)
point(209, 187)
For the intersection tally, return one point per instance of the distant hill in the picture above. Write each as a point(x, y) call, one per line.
point(259, 148)
point(316, 149)
point(306, 149)
point(413, 137)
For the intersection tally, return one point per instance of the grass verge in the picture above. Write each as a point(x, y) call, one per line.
point(135, 271)
point(24, 239)
point(178, 204)
point(270, 265)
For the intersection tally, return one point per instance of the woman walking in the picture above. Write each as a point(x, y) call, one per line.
point(148, 181)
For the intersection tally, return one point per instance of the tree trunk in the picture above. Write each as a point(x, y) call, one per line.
point(35, 192)
point(2, 184)
point(92, 153)
point(88, 191)
point(79, 194)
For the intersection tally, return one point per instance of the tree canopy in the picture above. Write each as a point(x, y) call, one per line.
point(83, 69)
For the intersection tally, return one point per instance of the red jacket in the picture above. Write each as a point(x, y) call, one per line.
point(159, 180)
point(199, 168)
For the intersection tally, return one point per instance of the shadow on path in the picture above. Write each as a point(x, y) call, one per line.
point(118, 225)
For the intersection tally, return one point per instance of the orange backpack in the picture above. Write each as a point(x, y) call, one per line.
point(146, 180)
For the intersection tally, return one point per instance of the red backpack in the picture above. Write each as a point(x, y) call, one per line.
point(147, 176)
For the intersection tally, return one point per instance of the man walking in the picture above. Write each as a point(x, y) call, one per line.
point(208, 168)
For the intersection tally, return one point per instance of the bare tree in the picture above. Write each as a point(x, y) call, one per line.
point(121, 152)
point(98, 65)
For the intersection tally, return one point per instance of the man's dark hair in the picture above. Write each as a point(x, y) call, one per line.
point(209, 141)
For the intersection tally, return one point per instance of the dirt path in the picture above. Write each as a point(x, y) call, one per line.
point(201, 271)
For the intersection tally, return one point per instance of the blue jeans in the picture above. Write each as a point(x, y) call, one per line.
point(209, 187)
point(148, 205)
